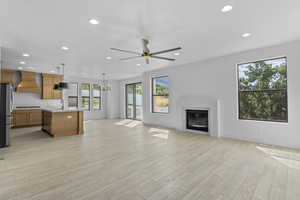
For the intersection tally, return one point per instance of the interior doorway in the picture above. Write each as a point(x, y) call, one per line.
point(134, 106)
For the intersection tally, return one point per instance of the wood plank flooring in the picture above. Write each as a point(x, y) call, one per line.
point(123, 159)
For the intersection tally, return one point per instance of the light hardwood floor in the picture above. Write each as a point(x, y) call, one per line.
point(122, 159)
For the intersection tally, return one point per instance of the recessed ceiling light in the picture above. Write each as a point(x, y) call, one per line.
point(65, 48)
point(246, 35)
point(22, 62)
point(20, 68)
point(25, 55)
point(227, 8)
point(138, 64)
point(176, 54)
point(94, 21)
point(30, 67)
point(52, 71)
point(108, 58)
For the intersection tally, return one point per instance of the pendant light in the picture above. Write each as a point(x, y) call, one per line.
point(104, 84)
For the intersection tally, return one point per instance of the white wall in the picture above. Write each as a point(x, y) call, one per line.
point(217, 78)
point(113, 100)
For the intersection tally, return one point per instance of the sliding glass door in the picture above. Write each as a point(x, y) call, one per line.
point(134, 109)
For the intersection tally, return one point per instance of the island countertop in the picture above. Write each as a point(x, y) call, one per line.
point(56, 110)
point(58, 122)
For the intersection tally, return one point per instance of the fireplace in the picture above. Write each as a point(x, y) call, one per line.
point(197, 120)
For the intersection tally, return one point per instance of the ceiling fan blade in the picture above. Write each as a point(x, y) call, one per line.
point(132, 57)
point(163, 58)
point(126, 51)
point(147, 61)
point(165, 51)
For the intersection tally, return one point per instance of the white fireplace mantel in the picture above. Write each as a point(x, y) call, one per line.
point(201, 103)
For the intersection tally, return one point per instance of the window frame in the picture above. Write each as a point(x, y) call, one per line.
point(75, 96)
point(153, 95)
point(134, 100)
point(100, 97)
point(262, 90)
point(81, 107)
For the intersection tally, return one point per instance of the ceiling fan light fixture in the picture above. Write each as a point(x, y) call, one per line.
point(147, 54)
point(176, 54)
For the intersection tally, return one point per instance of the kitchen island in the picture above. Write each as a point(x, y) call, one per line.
point(66, 122)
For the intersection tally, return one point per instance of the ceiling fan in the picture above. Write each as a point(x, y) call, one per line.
point(146, 53)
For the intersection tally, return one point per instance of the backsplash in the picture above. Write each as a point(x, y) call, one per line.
point(34, 99)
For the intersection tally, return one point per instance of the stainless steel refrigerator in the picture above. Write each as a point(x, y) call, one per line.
point(6, 106)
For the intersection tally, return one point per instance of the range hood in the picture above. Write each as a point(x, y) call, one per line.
point(28, 83)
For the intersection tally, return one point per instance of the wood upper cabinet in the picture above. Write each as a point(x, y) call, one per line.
point(49, 80)
point(27, 117)
point(57, 94)
point(7, 76)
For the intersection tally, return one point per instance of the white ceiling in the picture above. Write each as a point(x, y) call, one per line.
point(41, 27)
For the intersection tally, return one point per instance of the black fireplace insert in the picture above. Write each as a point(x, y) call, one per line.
point(197, 120)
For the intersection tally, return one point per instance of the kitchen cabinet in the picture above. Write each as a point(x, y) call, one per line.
point(20, 119)
point(7, 76)
point(27, 117)
point(49, 80)
point(63, 122)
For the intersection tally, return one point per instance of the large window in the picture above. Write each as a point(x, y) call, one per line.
point(85, 96)
point(96, 97)
point(72, 95)
point(160, 94)
point(263, 90)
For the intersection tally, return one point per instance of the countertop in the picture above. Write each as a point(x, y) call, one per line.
point(56, 110)
point(27, 108)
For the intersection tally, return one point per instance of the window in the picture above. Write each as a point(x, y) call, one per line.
point(263, 90)
point(72, 93)
point(96, 97)
point(160, 94)
point(85, 96)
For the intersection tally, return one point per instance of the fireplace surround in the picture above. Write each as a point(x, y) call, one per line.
point(197, 120)
point(201, 102)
